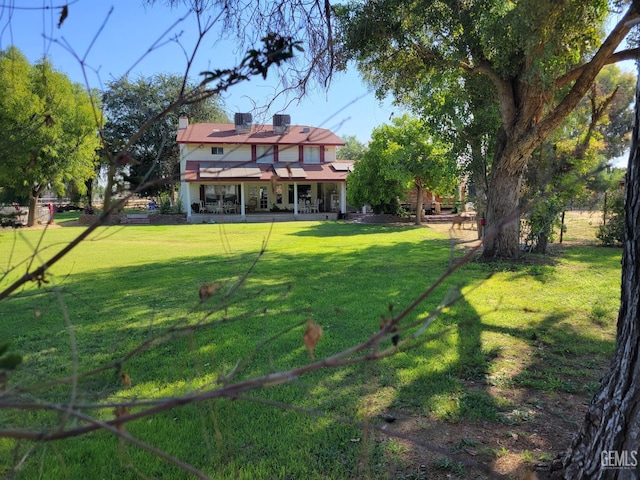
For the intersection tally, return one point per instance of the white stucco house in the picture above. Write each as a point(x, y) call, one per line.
point(249, 172)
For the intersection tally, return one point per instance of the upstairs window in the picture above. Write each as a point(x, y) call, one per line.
point(217, 151)
point(266, 153)
point(311, 154)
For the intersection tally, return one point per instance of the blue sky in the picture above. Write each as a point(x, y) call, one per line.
point(111, 44)
point(114, 37)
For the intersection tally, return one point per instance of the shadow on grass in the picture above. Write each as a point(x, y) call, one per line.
point(114, 310)
point(326, 229)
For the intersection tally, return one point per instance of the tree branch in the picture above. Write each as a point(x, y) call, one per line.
point(621, 56)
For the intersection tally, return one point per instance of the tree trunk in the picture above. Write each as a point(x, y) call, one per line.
point(108, 191)
point(89, 185)
point(34, 195)
point(419, 204)
point(502, 236)
point(542, 243)
point(607, 445)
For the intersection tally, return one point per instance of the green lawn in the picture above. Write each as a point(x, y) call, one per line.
point(543, 324)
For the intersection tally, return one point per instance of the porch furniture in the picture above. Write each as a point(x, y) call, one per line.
point(429, 208)
point(253, 204)
point(201, 207)
point(315, 206)
point(215, 207)
point(230, 207)
point(302, 207)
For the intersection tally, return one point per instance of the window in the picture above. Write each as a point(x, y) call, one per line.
point(217, 151)
point(265, 153)
point(311, 154)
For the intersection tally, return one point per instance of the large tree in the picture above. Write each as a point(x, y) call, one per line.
point(401, 156)
point(153, 158)
point(50, 129)
point(529, 51)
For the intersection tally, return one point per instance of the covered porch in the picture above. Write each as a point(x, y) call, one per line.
point(265, 217)
point(264, 193)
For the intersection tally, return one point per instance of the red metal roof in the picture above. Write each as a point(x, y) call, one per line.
point(201, 171)
point(225, 133)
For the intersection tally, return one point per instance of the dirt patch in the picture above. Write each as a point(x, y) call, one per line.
point(525, 442)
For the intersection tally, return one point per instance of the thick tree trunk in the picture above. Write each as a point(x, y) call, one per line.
point(502, 237)
point(607, 445)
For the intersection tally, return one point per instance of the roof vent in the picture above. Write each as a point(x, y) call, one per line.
point(243, 122)
point(281, 123)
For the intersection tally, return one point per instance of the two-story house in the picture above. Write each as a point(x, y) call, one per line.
point(244, 170)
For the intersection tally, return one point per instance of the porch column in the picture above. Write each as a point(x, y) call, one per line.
point(242, 200)
point(343, 198)
point(186, 199)
point(295, 198)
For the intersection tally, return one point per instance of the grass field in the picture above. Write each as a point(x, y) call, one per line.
point(543, 328)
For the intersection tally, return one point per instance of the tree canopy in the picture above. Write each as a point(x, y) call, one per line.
point(50, 127)
point(353, 149)
point(401, 156)
point(528, 52)
point(569, 164)
point(152, 159)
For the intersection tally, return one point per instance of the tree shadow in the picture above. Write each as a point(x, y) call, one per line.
point(338, 229)
point(466, 390)
point(449, 378)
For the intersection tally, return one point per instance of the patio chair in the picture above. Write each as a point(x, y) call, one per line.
point(315, 206)
point(429, 208)
point(230, 207)
point(252, 205)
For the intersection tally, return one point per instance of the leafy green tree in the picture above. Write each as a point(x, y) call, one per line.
point(152, 160)
point(374, 181)
point(573, 153)
point(353, 149)
point(401, 156)
point(50, 126)
point(528, 51)
point(616, 128)
point(465, 116)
